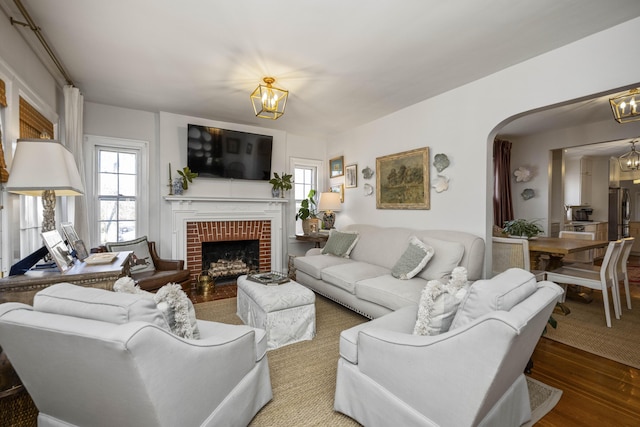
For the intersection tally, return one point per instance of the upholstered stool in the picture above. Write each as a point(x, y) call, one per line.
point(287, 311)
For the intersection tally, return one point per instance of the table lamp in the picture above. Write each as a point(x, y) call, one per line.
point(44, 167)
point(329, 203)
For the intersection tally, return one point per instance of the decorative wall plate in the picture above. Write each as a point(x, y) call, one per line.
point(522, 174)
point(368, 190)
point(441, 162)
point(367, 173)
point(441, 183)
point(528, 193)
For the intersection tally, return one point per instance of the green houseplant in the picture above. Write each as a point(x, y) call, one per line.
point(307, 212)
point(522, 228)
point(280, 184)
point(187, 176)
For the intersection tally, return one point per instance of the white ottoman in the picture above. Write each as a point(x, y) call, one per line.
point(287, 311)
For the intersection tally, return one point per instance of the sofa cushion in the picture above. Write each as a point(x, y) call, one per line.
point(502, 292)
point(340, 244)
point(390, 292)
point(314, 264)
point(439, 302)
point(141, 257)
point(345, 276)
point(413, 260)
point(446, 257)
point(98, 304)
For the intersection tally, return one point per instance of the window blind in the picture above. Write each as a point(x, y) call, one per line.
point(32, 123)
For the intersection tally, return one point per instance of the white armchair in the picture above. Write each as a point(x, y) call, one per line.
point(106, 360)
point(471, 375)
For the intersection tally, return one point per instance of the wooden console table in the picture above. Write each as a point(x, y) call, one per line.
point(315, 238)
point(22, 288)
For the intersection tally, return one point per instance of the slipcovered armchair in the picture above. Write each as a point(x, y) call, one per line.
point(91, 357)
point(470, 375)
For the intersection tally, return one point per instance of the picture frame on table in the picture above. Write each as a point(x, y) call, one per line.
point(58, 249)
point(340, 190)
point(351, 176)
point(74, 241)
point(336, 167)
point(402, 180)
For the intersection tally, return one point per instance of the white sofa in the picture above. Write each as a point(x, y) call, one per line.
point(363, 282)
point(471, 375)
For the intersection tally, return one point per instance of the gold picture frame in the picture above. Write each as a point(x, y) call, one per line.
point(336, 167)
point(340, 190)
point(351, 176)
point(402, 180)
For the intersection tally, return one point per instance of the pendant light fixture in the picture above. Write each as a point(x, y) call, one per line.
point(268, 101)
point(630, 161)
point(625, 107)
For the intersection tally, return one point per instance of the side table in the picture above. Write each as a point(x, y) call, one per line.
point(317, 238)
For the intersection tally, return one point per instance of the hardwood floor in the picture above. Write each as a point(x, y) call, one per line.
point(596, 391)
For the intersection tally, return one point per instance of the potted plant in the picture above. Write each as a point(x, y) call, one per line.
point(187, 176)
point(307, 212)
point(522, 228)
point(280, 184)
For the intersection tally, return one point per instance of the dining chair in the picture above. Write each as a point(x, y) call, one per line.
point(597, 277)
point(511, 252)
point(583, 256)
point(621, 268)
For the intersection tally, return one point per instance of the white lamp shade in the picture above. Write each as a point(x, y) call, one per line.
point(329, 201)
point(41, 164)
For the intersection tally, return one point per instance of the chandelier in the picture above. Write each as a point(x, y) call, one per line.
point(625, 107)
point(268, 101)
point(630, 161)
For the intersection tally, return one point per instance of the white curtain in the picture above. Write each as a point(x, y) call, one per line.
point(73, 115)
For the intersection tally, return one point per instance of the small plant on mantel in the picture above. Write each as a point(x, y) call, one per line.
point(280, 184)
point(187, 176)
point(522, 228)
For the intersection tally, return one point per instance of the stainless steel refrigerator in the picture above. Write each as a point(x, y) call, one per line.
point(619, 213)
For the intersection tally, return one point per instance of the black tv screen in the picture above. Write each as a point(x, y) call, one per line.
point(223, 153)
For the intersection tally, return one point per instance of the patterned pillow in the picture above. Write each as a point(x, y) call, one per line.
point(141, 257)
point(340, 243)
point(176, 308)
point(439, 303)
point(413, 260)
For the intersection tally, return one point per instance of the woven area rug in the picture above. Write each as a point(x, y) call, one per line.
point(585, 328)
point(303, 375)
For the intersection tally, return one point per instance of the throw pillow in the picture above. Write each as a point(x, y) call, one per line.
point(340, 243)
point(413, 260)
point(176, 308)
point(439, 302)
point(141, 257)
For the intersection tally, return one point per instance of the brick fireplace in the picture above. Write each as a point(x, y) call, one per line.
point(199, 232)
point(197, 219)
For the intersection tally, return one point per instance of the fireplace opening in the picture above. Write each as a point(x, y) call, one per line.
point(225, 261)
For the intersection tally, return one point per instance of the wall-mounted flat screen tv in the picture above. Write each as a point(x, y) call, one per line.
point(224, 153)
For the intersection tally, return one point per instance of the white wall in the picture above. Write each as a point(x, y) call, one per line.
point(462, 124)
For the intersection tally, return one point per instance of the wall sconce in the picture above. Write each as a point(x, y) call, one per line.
point(44, 168)
point(329, 203)
point(625, 107)
point(269, 102)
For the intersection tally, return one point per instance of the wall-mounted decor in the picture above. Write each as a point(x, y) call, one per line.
point(338, 189)
point(367, 173)
point(528, 193)
point(522, 174)
point(336, 167)
point(402, 180)
point(351, 176)
point(441, 162)
point(441, 183)
point(368, 189)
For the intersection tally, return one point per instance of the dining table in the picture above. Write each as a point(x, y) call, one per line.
point(556, 248)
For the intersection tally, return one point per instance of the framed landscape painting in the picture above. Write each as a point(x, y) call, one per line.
point(336, 167)
point(402, 180)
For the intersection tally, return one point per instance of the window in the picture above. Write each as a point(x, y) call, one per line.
point(118, 168)
point(306, 175)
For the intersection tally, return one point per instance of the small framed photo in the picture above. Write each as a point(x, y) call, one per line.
point(74, 241)
point(340, 190)
point(351, 176)
point(336, 167)
point(58, 250)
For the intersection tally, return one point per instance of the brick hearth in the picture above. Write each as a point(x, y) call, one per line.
point(198, 232)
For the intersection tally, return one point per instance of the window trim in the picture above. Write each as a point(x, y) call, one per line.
point(93, 143)
point(320, 179)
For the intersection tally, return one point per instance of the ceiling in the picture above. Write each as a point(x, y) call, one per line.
point(345, 63)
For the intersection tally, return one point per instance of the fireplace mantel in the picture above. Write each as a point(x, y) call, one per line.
point(185, 209)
